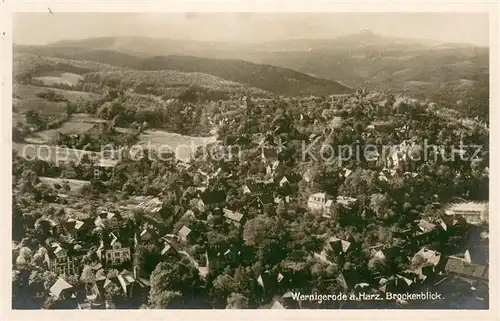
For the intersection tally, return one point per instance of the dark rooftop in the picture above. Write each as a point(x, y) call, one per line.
point(212, 197)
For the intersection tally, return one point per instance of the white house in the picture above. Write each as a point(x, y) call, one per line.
point(117, 254)
point(346, 200)
point(319, 203)
point(472, 212)
point(184, 233)
point(284, 181)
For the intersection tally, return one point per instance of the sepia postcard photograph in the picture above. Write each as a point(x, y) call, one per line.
point(249, 160)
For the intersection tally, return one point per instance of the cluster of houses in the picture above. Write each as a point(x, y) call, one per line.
point(323, 204)
point(108, 256)
point(115, 249)
point(425, 266)
point(111, 261)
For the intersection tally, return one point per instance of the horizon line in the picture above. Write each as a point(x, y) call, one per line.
point(248, 42)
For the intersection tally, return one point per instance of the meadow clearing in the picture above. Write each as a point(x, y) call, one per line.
point(77, 124)
point(55, 77)
point(44, 107)
point(183, 146)
point(22, 92)
point(76, 185)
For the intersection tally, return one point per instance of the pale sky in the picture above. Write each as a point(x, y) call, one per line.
point(42, 28)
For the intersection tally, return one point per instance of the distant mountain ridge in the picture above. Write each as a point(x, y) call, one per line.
point(282, 81)
point(424, 69)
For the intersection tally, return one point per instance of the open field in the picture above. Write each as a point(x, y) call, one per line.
point(25, 98)
point(68, 128)
point(29, 91)
point(183, 146)
point(54, 78)
point(44, 107)
point(77, 124)
point(86, 118)
point(28, 65)
point(75, 185)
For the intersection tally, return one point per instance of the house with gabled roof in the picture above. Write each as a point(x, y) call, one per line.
point(100, 276)
point(348, 279)
point(281, 199)
point(111, 284)
point(211, 199)
point(284, 181)
point(60, 261)
point(426, 226)
point(382, 176)
point(233, 217)
point(75, 227)
point(425, 262)
point(473, 212)
point(336, 246)
point(462, 265)
point(146, 234)
point(126, 280)
point(316, 202)
point(346, 172)
point(247, 189)
point(277, 305)
point(184, 233)
point(378, 254)
point(323, 257)
point(167, 248)
point(116, 253)
point(61, 289)
point(216, 173)
point(261, 201)
point(346, 200)
point(402, 233)
point(151, 205)
point(395, 283)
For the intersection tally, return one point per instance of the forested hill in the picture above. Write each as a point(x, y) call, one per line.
point(281, 81)
point(446, 73)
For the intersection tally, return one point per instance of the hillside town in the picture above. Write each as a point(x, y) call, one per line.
point(251, 160)
point(276, 204)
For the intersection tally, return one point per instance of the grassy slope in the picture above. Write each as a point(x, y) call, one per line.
point(29, 92)
point(27, 65)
